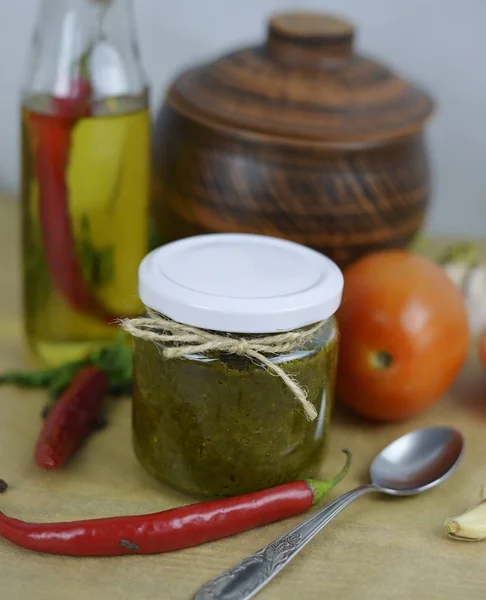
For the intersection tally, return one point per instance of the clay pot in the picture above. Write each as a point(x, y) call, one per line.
point(299, 138)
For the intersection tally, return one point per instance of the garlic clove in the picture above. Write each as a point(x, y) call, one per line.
point(457, 272)
point(471, 524)
point(475, 297)
point(471, 280)
point(464, 265)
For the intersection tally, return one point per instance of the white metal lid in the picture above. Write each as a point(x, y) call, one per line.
point(240, 283)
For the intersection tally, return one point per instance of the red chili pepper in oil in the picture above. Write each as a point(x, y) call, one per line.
point(52, 136)
point(71, 418)
point(171, 529)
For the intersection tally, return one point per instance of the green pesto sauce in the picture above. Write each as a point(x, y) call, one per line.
point(223, 426)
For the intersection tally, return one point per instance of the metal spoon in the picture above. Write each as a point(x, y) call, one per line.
point(410, 465)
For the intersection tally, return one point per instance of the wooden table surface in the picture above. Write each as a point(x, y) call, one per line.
point(377, 548)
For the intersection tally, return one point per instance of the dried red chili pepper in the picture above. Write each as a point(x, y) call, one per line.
point(170, 529)
point(71, 418)
point(51, 135)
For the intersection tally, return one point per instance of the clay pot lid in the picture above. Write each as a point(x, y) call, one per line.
point(305, 83)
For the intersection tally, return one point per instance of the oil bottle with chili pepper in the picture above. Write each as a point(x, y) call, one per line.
point(85, 176)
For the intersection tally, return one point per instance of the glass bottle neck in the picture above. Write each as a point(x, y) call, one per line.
point(92, 40)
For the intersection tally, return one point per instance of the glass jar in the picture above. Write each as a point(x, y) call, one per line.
point(85, 176)
point(217, 423)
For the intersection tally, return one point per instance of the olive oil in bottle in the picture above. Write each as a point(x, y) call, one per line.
point(85, 177)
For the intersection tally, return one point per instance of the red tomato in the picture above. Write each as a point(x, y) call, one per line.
point(404, 335)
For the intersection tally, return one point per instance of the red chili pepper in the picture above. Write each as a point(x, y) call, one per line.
point(71, 418)
point(52, 136)
point(77, 104)
point(170, 529)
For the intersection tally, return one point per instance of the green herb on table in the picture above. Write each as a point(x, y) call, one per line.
point(115, 359)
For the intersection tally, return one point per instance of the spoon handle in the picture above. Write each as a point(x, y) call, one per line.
point(249, 576)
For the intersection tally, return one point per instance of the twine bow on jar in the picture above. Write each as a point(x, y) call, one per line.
point(180, 340)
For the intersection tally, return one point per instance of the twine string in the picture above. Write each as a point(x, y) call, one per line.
point(180, 340)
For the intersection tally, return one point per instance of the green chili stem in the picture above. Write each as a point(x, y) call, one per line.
point(320, 488)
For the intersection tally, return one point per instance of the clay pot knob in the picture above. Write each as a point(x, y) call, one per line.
point(311, 39)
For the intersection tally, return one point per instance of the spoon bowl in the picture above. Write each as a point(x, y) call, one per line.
point(417, 461)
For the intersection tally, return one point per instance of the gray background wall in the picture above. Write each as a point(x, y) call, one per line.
point(439, 43)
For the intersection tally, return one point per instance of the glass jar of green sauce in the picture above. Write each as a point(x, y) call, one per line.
point(214, 422)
